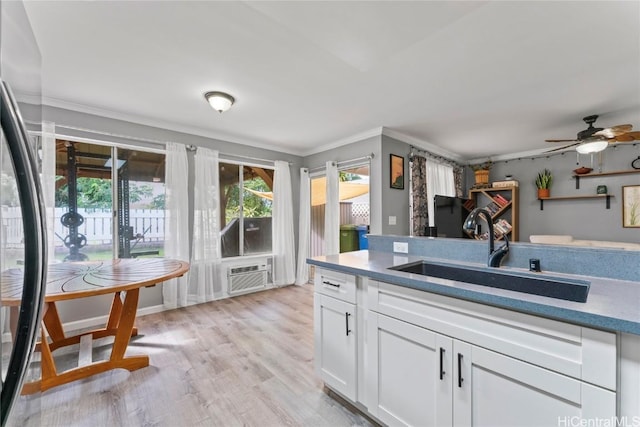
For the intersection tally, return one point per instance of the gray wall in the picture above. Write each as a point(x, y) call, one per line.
point(395, 202)
point(148, 296)
point(583, 219)
point(385, 201)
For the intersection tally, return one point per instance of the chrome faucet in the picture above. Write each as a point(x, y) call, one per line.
point(471, 225)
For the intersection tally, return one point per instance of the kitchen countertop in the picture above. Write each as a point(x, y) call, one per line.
point(612, 304)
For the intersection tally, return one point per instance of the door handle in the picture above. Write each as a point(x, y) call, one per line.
point(442, 363)
point(346, 319)
point(460, 379)
point(35, 247)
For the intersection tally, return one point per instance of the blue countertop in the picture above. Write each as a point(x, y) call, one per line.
point(611, 305)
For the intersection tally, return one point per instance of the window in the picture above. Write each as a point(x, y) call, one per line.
point(84, 202)
point(246, 194)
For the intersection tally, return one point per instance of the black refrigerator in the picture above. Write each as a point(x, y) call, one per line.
point(22, 228)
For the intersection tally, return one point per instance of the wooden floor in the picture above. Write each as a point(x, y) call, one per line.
point(243, 361)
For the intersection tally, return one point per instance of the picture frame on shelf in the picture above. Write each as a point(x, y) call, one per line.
point(396, 171)
point(631, 206)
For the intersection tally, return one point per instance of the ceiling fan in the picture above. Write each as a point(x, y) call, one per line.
point(593, 139)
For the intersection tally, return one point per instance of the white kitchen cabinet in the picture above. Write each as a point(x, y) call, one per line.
point(410, 380)
point(335, 344)
point(336, 333)
point(408, 357)
point(422, 378)
point(490, 389)
point(414, 337)
point(586, 354)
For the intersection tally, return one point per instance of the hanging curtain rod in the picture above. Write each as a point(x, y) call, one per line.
point(430, 155)
point(109, 134)
point(189, 147)
point(343, 162)
point(240, 156)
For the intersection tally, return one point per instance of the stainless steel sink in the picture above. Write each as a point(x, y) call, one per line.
point(532, 283)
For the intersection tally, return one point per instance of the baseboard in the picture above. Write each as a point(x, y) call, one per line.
point(78, 325)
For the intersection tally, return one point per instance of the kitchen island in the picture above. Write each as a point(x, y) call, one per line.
point(410, 349)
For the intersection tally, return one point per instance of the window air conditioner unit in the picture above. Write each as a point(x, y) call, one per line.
point(247, 278)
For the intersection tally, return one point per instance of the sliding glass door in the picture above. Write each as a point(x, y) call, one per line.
point(353, 193)
point(109, 202)
point(140, 203)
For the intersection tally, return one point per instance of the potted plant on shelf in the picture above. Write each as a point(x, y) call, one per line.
point(543, 183)
point(481, 172)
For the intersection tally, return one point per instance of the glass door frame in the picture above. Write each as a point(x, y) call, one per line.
point(114, 146)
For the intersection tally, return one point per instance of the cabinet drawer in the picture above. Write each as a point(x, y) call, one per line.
point(337, 285)
point(579, 352)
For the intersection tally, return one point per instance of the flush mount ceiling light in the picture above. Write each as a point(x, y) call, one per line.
point(592, 147)
point(219, 101)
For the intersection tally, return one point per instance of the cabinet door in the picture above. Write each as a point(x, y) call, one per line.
point(410, 373)
point(335, 344)
point(491, 389)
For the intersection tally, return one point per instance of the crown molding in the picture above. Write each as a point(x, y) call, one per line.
point(418, 143)
point(162, 124)
point(541, 152)
point(345, 141)
point(172, 126)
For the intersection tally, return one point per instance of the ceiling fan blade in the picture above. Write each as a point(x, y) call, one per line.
point(623, 138)
point(561, 140)
point(628, 137)
point(562, 148)
point(614, 131)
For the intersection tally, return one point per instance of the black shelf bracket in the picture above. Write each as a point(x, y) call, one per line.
point(607, 201)
point(577, 182)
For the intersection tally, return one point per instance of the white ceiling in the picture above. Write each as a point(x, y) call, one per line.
point(474, 78)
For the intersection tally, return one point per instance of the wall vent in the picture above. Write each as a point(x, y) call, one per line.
point(244, 278)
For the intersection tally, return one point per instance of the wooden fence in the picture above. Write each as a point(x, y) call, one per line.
point(97, 226)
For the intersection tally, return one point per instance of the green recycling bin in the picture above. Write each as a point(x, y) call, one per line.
point(348, 238)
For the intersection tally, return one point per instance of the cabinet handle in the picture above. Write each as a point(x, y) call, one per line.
point(326, 282)
point(460, 379)
point(346, 320)
point(441, 363)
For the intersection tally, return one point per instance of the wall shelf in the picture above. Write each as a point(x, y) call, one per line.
point(507, 209)
point(601, 174)
point(607, 198)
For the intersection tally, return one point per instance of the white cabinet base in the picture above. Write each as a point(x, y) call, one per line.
point(500, 391)
point(405, 382)
point(335, 344)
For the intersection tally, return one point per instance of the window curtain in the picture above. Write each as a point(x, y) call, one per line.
point(458, 175)
point(174, 291)
point(304, 227)
point(282, 230)
point(332, 212)
point(419, 210)
point(440, 181)
point(48, 182)
point(205, 278)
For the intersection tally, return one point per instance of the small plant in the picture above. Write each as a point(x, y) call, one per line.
point(482, 166)
point(544, 179)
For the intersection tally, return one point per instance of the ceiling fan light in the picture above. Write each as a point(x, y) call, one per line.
point(219, 101)
point(592, 147)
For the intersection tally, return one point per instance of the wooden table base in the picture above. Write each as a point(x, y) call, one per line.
point(119, 325)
